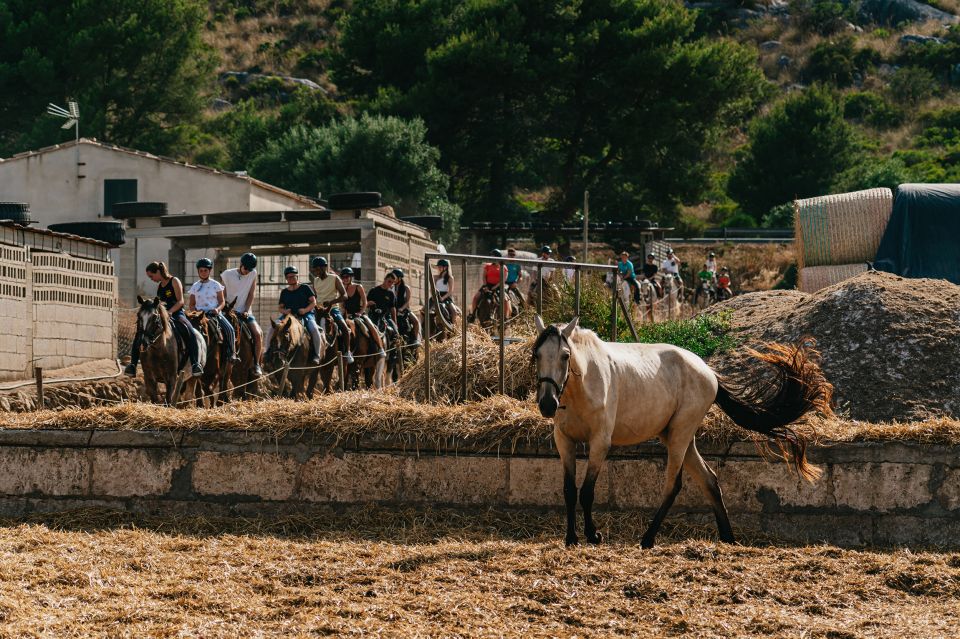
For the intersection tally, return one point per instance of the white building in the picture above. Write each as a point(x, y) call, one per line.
point(79, 182)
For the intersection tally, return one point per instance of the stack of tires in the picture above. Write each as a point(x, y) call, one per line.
point(18, 212)
point(109, 232)
point(354, 201)
point(838, 234)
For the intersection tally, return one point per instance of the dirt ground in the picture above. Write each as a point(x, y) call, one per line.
point(94, 368)
point(449, 573)
point(890, 345)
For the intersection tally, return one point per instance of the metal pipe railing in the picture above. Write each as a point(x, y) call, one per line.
point(464, 259)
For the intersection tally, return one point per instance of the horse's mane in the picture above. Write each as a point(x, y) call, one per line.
point(161, 308)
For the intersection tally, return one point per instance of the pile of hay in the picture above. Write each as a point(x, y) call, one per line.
point(890, 345)
point(493, 422)
point(483, 369)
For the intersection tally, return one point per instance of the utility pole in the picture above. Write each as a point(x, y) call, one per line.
point(586, 226)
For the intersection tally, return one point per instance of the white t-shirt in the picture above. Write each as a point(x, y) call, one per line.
point(671, 266)
point(238, 286)
point(205, 294)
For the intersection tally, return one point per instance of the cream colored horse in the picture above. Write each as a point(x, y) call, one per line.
point(625, 394)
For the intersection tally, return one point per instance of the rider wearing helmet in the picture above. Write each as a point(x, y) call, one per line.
point(241, 288)
point(206, 295)
point(711, 263)
point(407, 322)
point(494, 273)
point(330, 293)
point(300, 301)
point(170, 292)
point(670, 265)
point(723, 283)
point(625, 268)
point(514, 272)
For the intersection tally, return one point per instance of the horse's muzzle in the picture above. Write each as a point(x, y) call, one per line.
point(548, 405)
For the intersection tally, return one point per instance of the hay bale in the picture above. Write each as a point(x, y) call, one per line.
point(841, 229)
point(814, 278)
point(483, 370)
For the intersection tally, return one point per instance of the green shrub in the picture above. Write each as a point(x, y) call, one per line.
point(912, 85)
point(740, 220)
point(873, 173)
point(703, 335)
point(779, 217)
point(871, 109)
point(821, 16)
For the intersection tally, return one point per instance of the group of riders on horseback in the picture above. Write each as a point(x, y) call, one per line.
point(712, 283)
point(381, 313)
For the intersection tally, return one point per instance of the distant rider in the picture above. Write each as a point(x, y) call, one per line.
point(241, 285)
point(300, 301)
point(493, 275)
point(330, 293)
point(625, 268)
point(407, 322)
point(206, 295)
point(170, 292)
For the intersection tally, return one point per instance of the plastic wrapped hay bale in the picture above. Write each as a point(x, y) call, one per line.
point(813, 278)
point(841, 229)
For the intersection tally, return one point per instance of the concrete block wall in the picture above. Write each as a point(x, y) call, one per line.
point(892, 493)
point(15, 312)
point(73, 309)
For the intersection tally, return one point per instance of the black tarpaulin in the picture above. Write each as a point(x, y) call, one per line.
point(923, 236)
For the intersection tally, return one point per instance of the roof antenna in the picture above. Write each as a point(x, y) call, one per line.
point(72, 116)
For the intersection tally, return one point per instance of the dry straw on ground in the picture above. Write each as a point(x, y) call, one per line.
point(433, 573)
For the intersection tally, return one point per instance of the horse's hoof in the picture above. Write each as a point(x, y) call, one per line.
point(646, 544)
point(571, 541)
point(595, 539)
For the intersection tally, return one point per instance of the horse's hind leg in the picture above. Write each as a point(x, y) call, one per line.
point(707, 480)
point(568, 458)
point(672, 482)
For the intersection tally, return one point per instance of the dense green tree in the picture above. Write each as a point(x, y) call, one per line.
point(795, 151)
point(369, 153)
point(616, 96)
point(136, 67)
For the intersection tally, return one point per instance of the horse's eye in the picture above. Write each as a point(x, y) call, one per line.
point(565, 356)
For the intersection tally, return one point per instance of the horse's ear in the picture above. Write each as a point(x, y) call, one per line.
point(538, 321)
point(232, 304)
point(572, 326)
point(274, 323)
point(156, 301)
point(141, 301)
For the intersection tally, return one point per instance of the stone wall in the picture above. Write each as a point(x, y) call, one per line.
point(15, 312)
point(892, 493)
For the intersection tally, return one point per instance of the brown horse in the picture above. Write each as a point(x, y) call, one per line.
point(625, 394)
point(242, 373)
point(328, 361)
point(162, 357)
point(368, 361)
point(290, 348)
point(216, 371)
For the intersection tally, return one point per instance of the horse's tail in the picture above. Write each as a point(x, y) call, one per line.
point(770, 406)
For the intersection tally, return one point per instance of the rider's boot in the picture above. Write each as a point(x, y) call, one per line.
point(130, 370)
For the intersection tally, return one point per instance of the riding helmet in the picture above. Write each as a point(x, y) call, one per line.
point(204, 262)
point(398, 273)
point(651, 256)
point(712, 254)
point(289, 270)
point(496, 253)
point(248, 260)
point(346, 270)
point(318, 261)
point(546, 249)
point(443, 263)
point(669, 251)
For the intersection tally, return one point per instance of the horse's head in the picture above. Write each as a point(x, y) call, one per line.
point(152, 317)
point(551, 353)
point(198, 319)
point(284, 338)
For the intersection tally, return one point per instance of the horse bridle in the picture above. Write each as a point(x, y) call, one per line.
point(156, 318)
point(549, 380)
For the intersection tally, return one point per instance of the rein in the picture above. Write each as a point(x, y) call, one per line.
point(551, 331)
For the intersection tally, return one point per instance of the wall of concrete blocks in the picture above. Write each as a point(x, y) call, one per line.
point(57, 310)
point(894, 493)
point(15, 312)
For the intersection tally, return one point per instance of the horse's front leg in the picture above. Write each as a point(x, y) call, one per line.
point(599, 447)
point(568, 459)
